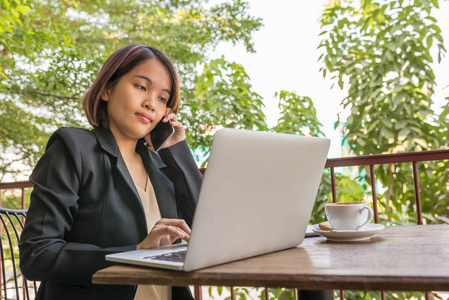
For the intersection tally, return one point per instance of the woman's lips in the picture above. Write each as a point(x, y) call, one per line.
point(144, 117)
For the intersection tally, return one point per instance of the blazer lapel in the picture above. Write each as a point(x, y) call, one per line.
point(163, 187)
point(107, 143)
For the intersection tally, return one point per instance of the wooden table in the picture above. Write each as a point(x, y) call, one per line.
point(407, 258)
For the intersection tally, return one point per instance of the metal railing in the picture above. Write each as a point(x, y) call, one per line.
point(3, 276)
point(372, 160)
point(13, 283)
point(360, 161)
point(22, 185)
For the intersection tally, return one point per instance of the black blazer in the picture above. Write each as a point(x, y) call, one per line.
point(85, 205)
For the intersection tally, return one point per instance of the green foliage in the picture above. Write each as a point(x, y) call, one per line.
point(382, 50)
point(324, 196)
point(10, 17)
point(13, 198)
point(249, 293)
point(298, 115)
point(397, 203)
point(349, 190)
point(281, 294)
point(223, 98)
point(373, 295)
point(51, 54)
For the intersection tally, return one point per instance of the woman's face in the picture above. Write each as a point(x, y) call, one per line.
point(139, 100)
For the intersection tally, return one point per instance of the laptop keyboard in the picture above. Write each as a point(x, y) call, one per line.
point(177, 256)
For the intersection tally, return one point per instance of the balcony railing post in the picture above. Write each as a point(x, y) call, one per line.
point(417, 193)
point(373, 191)
point(333, 184)
point(23, 198)
point(198, 293)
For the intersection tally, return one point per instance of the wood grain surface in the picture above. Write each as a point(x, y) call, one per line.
point(411, 258)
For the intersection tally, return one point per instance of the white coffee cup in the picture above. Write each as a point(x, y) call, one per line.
point(349, 215)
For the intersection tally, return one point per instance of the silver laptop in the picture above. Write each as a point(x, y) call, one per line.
point(256, 197)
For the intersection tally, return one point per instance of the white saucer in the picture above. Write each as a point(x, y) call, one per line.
point(364, 233)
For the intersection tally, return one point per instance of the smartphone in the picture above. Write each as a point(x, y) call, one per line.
point(160, 134)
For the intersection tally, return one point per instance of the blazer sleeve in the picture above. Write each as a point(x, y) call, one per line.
point(45, 254)
point(186, 178)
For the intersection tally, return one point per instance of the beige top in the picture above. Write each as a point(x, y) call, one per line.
point(152, 214)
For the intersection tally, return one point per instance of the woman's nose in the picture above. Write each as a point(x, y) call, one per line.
point(149, 103)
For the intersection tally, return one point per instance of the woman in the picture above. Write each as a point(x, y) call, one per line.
point(103, 191)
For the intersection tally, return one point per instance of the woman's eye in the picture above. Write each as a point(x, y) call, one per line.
point(141, 87)
point(163, 100)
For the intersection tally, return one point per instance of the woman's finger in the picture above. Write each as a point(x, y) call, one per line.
point(175, 222)
point(170, 117)
point(165, 232)
point(170, 239)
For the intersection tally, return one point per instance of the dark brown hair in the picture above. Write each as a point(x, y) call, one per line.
point(118, 64)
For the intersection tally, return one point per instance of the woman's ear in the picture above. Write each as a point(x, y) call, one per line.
point(104, 95)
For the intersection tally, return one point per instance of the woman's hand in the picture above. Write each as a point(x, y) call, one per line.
point(179, 135)
point(165, 232)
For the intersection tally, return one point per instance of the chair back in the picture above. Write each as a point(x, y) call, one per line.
point(13, 283)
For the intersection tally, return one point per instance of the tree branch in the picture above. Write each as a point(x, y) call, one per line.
point(52, 95)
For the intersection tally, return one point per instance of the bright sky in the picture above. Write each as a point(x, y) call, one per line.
point(287, 57)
